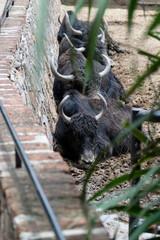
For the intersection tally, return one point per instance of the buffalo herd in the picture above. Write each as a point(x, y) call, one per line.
point(90, 110)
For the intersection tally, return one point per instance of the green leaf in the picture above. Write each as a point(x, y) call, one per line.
point(90, 3)
point(92, 39)
point(149, 55)
point(111, 203)
point(145, 225)
point(79, 5)
point(137, 133)
point(131, 8)
point(151, 69)
point(152, 150)
point(134, 193)
point(155, 22)
point(154, 34)
point(118, 181)
point(135, 210)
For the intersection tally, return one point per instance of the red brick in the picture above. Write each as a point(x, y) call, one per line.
point(7, 148)
point(66, 221)
point(4, 71)
point(5, 62)
point(56, 177)
point(19, 194)
point(7, 158)
point(11, 43)
point(15, 96)
point(8, 87)
point(12, 91)
point(4, 81)
point(42, 156)
point(22, 3)
point(35, 146)
point(54, 167)
point(34, 226)
point(21, 138)
point(17, 208)
point(22, 119)
point(18, 111)
point(62, 191)
point(18, 101)
point(16, 22)
point(29, 128)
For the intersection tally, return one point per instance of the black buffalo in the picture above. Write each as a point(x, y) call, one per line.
point(79, 34)
point(71, 68)
point(80, 30)
point(71, 74)
point(87, 125)
point(79, 45)
point(109, 85)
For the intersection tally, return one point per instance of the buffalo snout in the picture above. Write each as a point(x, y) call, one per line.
point(87, 157)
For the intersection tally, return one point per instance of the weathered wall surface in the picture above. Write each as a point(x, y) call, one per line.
point(33, 79)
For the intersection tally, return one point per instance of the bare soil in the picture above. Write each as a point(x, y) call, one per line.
point(127, 66)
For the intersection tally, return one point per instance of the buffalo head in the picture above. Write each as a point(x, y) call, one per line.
point(79, 140)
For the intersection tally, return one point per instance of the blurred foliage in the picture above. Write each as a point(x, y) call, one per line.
point(149, 178)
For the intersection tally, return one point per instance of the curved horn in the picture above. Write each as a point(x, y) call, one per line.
point(64, 78)
point(99, 35)
point(81, 49)
point(102, 36)
point(98, 116)
point(61, 112)
point(69, 26)
point(106, 25)
point(68, 119)
point(107, 68)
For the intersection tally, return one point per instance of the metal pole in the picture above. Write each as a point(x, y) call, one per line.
point(18, 160)
point(20, 151)
point(135, 148)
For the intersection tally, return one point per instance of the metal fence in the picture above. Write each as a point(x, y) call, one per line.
point(149, 116)
point(20, 157)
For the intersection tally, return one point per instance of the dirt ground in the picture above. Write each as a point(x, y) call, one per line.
point(127, 66)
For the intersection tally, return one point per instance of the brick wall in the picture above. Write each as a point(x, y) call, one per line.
point(21, 214)
point(30, 72)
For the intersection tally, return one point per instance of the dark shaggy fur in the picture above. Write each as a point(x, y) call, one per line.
point(73, 62)
point(84, 132)
point(80, 41)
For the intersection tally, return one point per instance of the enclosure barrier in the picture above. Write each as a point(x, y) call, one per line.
point(149, 116)
point(21, 156)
